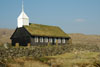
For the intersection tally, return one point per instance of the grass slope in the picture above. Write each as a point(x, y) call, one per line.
point(74, 59)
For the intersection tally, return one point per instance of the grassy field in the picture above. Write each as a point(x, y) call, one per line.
point(24, 62)
point(73, 59)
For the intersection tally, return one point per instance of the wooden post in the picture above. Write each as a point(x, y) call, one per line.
point(17, 45)
point(28, 45)
point(48, 43)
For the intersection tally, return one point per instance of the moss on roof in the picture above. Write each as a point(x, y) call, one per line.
point(45, 30)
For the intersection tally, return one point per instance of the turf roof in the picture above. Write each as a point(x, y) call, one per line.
point(45, 30)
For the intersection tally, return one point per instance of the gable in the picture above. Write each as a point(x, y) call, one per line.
point(20, 32)
point(45, 30)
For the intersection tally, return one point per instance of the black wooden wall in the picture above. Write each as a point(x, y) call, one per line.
point(20, 36)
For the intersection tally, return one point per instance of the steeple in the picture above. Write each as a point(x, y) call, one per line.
point(22, 5)
point(23, 19)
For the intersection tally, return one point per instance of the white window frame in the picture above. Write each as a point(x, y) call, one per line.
point(59, 40)
point(63, 41)
point(50, 40)
point(36, 39)
point(46, 40)
point(41, 39)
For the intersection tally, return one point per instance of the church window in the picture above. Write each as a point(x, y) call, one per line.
point(46, 40)
point(41, 39)
point(50, 40)
point(63, 40)
point(55, 40)
point(59, 40)
point(36, 39)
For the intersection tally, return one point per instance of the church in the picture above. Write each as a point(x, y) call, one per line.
point(37, 34)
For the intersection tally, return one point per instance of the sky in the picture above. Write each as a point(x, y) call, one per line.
point(73, 16)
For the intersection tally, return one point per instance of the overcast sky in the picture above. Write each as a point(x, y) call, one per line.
point(73, 16)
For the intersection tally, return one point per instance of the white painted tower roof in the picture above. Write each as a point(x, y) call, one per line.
point(23, 15)
point(23, 19)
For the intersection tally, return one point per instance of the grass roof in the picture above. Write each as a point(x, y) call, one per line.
point(45, 30)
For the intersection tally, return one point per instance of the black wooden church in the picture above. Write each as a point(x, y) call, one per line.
point(37, 34)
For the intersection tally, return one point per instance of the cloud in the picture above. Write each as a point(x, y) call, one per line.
point(79, 20)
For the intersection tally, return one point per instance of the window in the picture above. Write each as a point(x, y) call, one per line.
point(50, 40)
point(46, 40)
point(59, 40)
point(55, 40)
point(36, 39)
point(41, 39)
point(63, 40)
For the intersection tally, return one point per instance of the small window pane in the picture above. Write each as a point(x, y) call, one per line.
point(59, 40)
point(63, 40)
point(50, 40)
point(36, 39)
point(41, 39)
point(46, 40)
point(55, 40)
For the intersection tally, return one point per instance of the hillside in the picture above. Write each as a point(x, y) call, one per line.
point(76, 37)
point(5, 35)
point(85, 39)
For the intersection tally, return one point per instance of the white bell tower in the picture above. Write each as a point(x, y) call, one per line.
point(23, 19)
